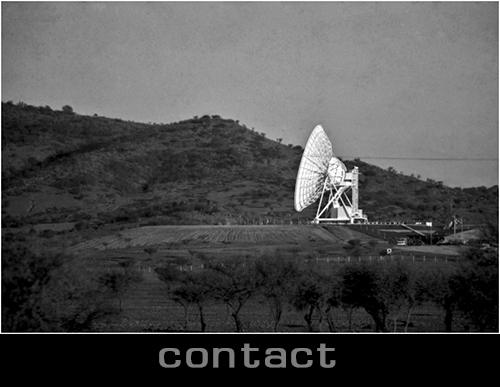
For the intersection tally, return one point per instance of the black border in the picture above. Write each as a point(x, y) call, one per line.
point(367, 358)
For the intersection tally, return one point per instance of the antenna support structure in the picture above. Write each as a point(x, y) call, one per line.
point(323, 176)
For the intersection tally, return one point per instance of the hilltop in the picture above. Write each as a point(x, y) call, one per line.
point(59, 166)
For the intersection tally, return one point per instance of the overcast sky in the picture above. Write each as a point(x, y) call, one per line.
point(386, 80)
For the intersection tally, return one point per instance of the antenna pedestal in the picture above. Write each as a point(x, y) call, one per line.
point(339, 208)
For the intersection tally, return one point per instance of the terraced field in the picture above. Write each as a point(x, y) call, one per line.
point(163, 235)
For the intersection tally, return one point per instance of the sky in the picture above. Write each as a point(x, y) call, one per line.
point(408, 85)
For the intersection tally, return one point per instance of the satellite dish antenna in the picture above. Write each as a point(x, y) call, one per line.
point(322, 175)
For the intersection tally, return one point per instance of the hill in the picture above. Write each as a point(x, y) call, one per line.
point(60, 167)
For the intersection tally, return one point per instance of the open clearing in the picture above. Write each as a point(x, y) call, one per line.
point(446, 250)
point(164, 235)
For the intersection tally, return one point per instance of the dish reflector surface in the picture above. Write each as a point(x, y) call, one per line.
point(313, 169)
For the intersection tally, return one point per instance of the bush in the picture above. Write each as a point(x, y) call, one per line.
point(47, 292)
point(476, 288)
point(67, 109)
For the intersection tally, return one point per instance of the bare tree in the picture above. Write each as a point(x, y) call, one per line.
point(234, 285)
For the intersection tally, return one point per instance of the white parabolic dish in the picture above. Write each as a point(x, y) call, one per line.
point(318, 164)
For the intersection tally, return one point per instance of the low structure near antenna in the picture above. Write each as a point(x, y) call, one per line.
point(323, 176)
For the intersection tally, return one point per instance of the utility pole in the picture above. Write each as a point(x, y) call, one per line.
point(431, 234)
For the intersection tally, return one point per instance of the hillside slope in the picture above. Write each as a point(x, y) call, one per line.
point(58, 166)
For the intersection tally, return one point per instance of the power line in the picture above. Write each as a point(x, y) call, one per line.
point(423, 158)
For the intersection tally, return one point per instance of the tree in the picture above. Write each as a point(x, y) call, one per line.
point(418, 292)
point(394, 288)
point(67, 109)
point(354, 247)
point(311, 294)
point(184, 295)
point(195, 288)
point(472, 290)
point(234, 284)
point(385, 290)
point(442, 292)
point(47, 292)
point(361, 284)
point(334, 297)
point(118, 281)
point(276, 275)
point(476, 284)
point(168, 275)
point(150, 251)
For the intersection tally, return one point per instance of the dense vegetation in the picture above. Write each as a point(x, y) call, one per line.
point(54, 292)
point(201, 170)
point(410, 198)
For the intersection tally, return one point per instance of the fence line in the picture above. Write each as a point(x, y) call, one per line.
point(330, 259)
point(389, 258)
point(370, 258)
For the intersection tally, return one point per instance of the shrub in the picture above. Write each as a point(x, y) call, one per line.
point(476, 288)
point(67, 109)
point(47, 292)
